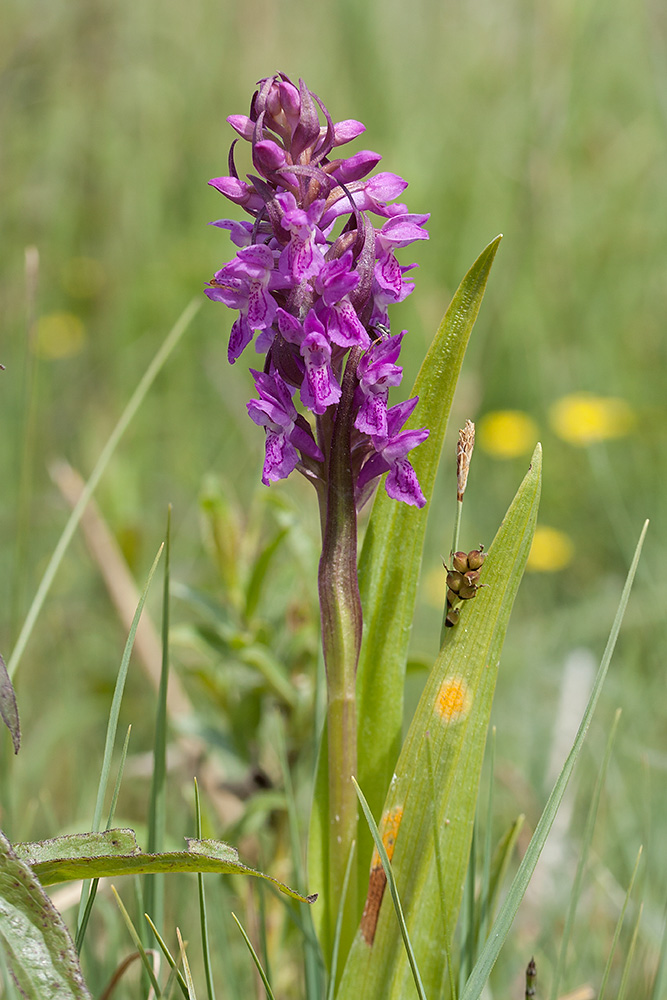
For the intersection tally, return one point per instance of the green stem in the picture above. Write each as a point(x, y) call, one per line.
point(340, 607)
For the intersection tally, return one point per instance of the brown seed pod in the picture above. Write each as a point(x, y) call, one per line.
point(460, 562)
point(454, 580)
point(467, 592)
point(476, 557)
point(471, 578)
point(452, 617)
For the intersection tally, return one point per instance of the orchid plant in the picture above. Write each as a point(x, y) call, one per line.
point(313, 280)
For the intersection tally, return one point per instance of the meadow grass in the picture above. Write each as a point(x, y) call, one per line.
point(546, 122)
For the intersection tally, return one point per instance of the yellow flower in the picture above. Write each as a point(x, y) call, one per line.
point(582, 418)
point(551, 550)
point(59, 335)
point(507, 433)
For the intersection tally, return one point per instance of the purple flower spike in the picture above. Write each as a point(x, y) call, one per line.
point(312, 282)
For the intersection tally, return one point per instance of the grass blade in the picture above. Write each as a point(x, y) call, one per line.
point(267, 985)
point(81, 930)
point(499, 931)
point(617, 930)
point(186, 968)
point(386, 864)
point(112, 724)
point(136, 399)
point(168, 955)
point(157, 808)
point(583, 858)
point(203, 921)
point(134, 934)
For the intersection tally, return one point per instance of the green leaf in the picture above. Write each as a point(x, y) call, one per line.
point(389, 568)
point(36, 944)
point(8, 707)
point(390, 561)
point(480, 974)
point(450, 724)
point(115, 852)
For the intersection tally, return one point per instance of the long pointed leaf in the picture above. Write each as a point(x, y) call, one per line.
point(450, 724)
point(389, 569)
point(508, 910)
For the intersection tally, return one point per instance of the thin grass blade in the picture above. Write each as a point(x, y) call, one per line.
point(134, 934)
point(263, 976)
point(583, 858)
point(168, 955)
point(386, 864)
point(618, 928)
point(157, 805)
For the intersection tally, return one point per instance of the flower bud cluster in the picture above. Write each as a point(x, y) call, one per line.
point(462, 581)
point(312, 281)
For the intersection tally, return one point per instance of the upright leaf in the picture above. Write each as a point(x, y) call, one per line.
point(389, 568)
point(391, 557)
point(450, 724)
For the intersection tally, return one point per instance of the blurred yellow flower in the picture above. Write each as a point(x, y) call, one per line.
point(551, 550)
point(582, 418)
point(59, 335)
point(507, 433)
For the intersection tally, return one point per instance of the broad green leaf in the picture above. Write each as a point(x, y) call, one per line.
point(450, 724)
point(115, 852)
point(390, 561)
point(33, 937)
point(501, 926)
point(389, 568)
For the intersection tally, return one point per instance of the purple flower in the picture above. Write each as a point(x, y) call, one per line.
point(334, 283)
point(401, 483)
point(275, 411)
point(376, 372)
point(244, 284)
point(302, 258)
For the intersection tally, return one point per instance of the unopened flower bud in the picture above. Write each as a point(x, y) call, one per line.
point(466, 591)
point(460, 562)
point(454, 580)
point(475, 558)
point(471, 578)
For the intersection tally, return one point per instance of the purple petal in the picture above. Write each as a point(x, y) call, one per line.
point(402, 484)
point(344, 326)
point(398, 414)
point(357, 166)
point(281, 457)
point(239, 338)
point(347, 130)
point(240, 233)
point(243, 125)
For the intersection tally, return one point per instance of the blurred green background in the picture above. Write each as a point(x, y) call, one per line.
point(544, 121)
